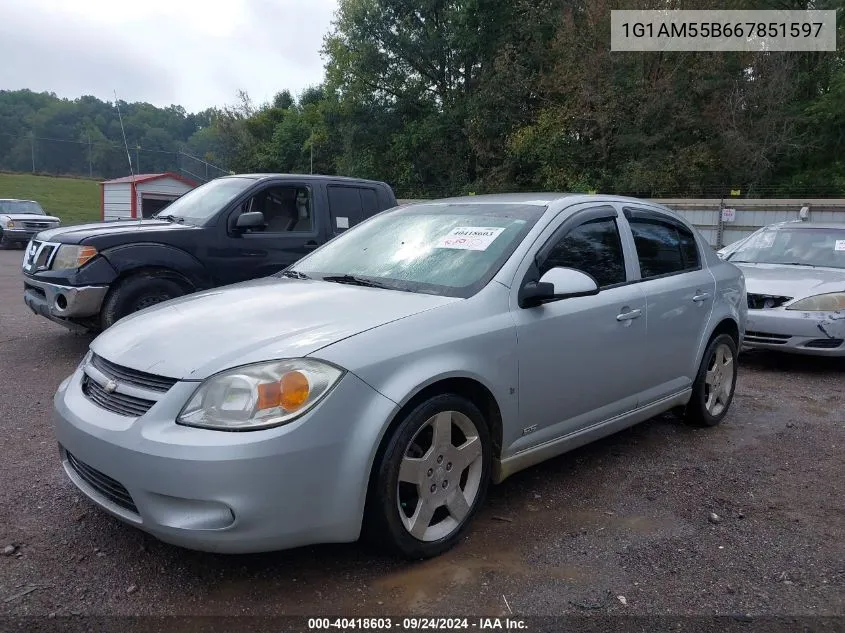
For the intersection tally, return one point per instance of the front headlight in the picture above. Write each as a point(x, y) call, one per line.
point(830, 302)
point(71, 256)
point(259, 396)
point(7, 223)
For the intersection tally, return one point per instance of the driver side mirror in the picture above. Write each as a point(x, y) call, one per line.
point(251, 220)
point(556, 284)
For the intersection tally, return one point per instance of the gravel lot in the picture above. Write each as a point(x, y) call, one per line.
point(627, 516)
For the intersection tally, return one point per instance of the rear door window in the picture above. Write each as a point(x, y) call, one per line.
point(663, 248)
point(345, 207)
point(369, 201)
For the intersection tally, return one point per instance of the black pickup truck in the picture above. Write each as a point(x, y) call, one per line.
point(228, 230)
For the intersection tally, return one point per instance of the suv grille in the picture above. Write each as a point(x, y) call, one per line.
point(36, 225)
point(133, 377)
point(119, 403)
point(39, 255)
point(103, 484)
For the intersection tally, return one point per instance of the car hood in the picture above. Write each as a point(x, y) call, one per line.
point(791, 281)
point(203, 333)
point(30, 217)
point(88, 233)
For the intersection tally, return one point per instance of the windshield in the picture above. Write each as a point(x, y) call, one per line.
point(202, 203)
point(445, 249)
point(798, 246)
point(21, 206)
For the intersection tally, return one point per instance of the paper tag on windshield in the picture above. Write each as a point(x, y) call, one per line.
point(470, 238)
point(839, 246)
point(342, 223)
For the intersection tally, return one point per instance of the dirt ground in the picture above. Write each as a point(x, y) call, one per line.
point(619, 527)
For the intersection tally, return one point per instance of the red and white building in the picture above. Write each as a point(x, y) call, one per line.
point(142, 196)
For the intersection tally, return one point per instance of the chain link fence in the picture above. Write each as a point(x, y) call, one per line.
point(101, 160)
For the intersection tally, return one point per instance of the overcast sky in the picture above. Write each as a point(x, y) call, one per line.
point(194, 53)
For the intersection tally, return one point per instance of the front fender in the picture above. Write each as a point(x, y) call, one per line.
point(131, 257)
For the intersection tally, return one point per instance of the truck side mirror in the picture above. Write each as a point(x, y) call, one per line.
point(251, 220)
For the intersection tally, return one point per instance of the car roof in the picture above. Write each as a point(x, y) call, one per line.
point(544, 198)
point(263, 176)
point(801, 224)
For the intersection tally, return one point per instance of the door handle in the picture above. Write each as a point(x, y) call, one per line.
point(310, 246)
point(701, 296)
point(629, 316)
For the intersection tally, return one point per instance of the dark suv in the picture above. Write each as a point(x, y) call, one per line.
point(229, 230)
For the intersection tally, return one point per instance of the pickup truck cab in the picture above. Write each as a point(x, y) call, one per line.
point(229, 230)
point(20, 220)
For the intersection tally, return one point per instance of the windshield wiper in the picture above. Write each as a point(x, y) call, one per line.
point(294, 274)
point(171, 218)
point(798, 264)
point(354, 281)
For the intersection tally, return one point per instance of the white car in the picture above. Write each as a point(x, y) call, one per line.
point(795, 279)
point(21, 220)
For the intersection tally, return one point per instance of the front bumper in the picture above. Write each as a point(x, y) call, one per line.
point(797, 332)
point(57, 302)
point(233, 492)
point(19, 235)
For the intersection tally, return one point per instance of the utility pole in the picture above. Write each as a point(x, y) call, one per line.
point(90, 160)
point(32, 148)
point(312, 153)
point(138, 158)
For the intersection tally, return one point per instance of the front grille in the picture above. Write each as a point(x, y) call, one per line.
point(36, 225)
point(119, 403)
point(765, 302)
point(111, 489)
point(40, 255)
point(766, 337)
point(133, 377)
point(824, 343)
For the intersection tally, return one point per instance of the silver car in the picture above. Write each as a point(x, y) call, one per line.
point(795, 273)
point(380, 384)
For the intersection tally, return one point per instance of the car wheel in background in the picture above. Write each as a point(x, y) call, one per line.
point(137, 292)
point(431, 478)
point(714, 385)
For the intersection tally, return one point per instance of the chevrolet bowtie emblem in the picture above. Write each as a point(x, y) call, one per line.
point(110, 386)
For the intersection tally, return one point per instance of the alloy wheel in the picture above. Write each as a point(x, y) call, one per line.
point(439, 476)
point(719, 380)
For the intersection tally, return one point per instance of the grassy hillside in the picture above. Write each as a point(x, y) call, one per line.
point(74, 200)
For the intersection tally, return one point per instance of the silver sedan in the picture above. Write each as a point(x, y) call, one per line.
point(382, 382)
point(795, 274)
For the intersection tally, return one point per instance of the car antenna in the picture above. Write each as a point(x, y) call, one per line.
point(126, 145)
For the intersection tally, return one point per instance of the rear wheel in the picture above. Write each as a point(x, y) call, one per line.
point(136, 293)
point(713, 389)
point(431, 478)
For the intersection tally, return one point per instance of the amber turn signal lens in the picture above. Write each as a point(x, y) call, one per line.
point(269, 395)
point(86, 253)
point(290, 393)
point(295, 390)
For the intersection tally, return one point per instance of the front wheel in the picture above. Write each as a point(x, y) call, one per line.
point(713, 389)
point(431, 478)
point(137, 292)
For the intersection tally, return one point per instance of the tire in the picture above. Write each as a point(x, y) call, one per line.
point(4, 243)
point(715, 383)
point(396, 511)
point(137, 292)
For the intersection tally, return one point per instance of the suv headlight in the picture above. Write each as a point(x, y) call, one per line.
point(259, 396)
point(830, 302)
point(7, 223)
point(72, 256)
